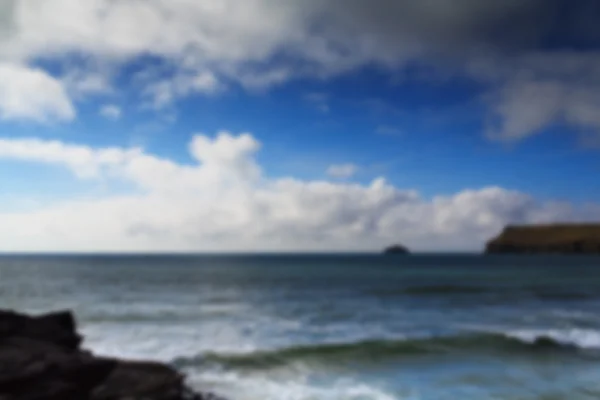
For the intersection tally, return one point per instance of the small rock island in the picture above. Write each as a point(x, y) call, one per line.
point(547, 239)
point(396, 249)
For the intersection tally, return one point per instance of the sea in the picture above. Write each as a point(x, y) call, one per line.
point(335, 327)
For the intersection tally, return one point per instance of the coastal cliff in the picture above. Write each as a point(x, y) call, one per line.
point(41, 359)
point(560, 238)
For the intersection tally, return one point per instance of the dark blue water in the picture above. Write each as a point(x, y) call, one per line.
point(336, 327)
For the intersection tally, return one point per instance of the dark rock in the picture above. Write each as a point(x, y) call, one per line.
point(396, 249)
point(558, 239)
point(56, 328)
point(141, 380)
point(31, 369)
point(64, 319)
point(40, 359)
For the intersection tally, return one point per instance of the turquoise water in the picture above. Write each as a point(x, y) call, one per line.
point(336, 327)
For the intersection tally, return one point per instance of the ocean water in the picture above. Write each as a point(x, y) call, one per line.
point(336, 327)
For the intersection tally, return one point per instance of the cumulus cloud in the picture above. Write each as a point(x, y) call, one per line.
point(342, 171)
point(111, 111)
point(224, 201)
point(31, 93)
point(536, 91)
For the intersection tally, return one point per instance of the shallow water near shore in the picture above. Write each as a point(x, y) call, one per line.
point(336, 327)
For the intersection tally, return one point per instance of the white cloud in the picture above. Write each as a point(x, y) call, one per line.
point(234, 34)
point(526, 108)
point(83, 161)
point(224, 202)
point(111, 111)
point(536, 91)
point(85, 81)
point(342, 171)
point(164, 92)
point(32, 94)
point(331, 35)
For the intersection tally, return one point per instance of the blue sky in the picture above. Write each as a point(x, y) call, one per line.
point(312, 126)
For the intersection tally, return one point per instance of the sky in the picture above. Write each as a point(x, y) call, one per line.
point(285, 125)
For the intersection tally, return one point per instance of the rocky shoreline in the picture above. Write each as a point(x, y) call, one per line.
point(41, 358)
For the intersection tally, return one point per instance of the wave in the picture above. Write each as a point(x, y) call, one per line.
point(296, 386)
point(376, 351)
point(580, 339)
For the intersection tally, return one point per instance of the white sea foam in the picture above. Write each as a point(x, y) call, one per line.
point(170, 339)
point(291, 383)
point(581, 338)
point(167, 342)
point(296, 387)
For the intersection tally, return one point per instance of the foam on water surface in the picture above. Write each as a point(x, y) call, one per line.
point(580, 338)
point(296, 387)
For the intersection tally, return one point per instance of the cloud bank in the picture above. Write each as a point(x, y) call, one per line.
point(543, 53)
point(224, 201)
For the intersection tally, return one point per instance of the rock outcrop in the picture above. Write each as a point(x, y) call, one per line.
point(396, 249)
point(561, 239)
point(41, 359)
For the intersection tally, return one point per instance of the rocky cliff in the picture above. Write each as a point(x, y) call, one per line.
point(565, 238)
point(41, 359)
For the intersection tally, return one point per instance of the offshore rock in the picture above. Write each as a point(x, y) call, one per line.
point(396, 249)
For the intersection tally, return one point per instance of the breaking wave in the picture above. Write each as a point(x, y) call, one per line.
point(374, 351)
